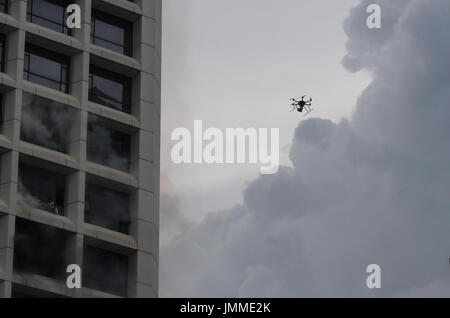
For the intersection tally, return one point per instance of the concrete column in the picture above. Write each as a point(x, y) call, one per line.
point(7, 224)
point(14, 56)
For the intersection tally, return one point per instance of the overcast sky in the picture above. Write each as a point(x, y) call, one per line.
point(365, 177)
point(236, 64)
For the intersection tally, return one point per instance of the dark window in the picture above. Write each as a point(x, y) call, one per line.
point(111, 32)
point(107, 208)
point(4, 6)
point(41, 189)
point(107, 146)
point(2, 111)
point(110, 89)
point(45, 123)
point(40, 249)
point(2, 52)
point(105, 271)
point(19, 291)
point(46, 68)
point(49, 13)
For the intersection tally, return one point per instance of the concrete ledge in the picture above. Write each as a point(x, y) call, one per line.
point(52, 94)
point(7, 82)
point(113, 114)
point(124, 9)
point(52, 40)
point(43, 283)
point(3, 208)
point(48, 155)
point(111, 174)
point(44, 217)
point(8, 23)
point(110, 236)
point(114, 61)
point(5, 144)
point(92, 293)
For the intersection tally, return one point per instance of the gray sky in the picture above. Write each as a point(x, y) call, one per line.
point(235, 64)
point(366, 178)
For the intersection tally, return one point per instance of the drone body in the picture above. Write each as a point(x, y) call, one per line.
point(302, 104)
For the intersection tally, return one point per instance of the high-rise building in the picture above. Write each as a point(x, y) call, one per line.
point(79, 147)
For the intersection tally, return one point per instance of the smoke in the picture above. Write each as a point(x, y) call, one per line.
point(373, 189)
point(107, 208)
point(108, 147)
point(25, 201)
point(105, 271)
point(45, 122)
point(38, 249)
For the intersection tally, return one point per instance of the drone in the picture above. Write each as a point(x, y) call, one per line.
point(302, 104)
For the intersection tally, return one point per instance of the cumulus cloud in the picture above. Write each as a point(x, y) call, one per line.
point(373, 189)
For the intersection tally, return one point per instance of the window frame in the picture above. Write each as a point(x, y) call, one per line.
point(3, 50)
point(58, 181)
point(124, 80)
point(92, 215)
point(121, 146)
point(5, 6)
point(62, 142)
point(61, 59)
point(63, 25)
point(127, 26)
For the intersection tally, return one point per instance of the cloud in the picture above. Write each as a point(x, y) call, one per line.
point(373, 189)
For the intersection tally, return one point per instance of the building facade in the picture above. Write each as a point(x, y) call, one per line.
point(79, 148)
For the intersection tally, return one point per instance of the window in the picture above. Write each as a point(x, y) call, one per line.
point(45, 123)
point(2, 53)
point(107, 208)
point(2, 111)
point(4, 6)
point(41, 189)
point(49, 13)
point(111, 33)
point(107, 146)
point(46, 68)
point(40, 249)
point(20, 291)
point(105, 271)
point(110, 89)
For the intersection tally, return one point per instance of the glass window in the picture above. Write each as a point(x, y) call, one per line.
point(110, 89)
point(2, 110)
point(39, 249)
point(2, 52)
point(105, 271)
point(107, 208)
point(111, 33)
point(45, 123)
point(4, 6)
point(20, 291)
point(51, 14)
point(46, 68)
point(41, 189)
point(107, 146)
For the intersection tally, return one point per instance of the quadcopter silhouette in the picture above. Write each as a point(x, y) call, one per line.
point(302, 104)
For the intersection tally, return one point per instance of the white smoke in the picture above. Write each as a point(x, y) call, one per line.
point(370, 190)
